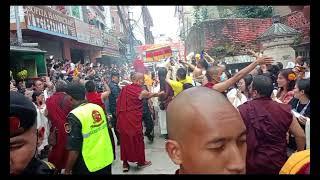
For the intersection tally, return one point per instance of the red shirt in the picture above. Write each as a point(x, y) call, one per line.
point(209, 85)
point(95, 98)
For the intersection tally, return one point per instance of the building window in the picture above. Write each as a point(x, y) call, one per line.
point(112, 20)
point(76, 12)
point(121, 26)
point(102, 26)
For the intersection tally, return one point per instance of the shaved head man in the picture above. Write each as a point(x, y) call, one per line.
point(206, 133)
point(138, 78)
point(129, 113)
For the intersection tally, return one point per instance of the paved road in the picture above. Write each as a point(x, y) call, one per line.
point(155, 152)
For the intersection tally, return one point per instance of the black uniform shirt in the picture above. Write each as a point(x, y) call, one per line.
point(37, 166)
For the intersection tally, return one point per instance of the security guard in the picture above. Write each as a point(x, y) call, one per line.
point(88, 142)
point(24, 138)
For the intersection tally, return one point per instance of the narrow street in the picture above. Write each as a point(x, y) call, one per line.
point(231, 83)
point(155, 152)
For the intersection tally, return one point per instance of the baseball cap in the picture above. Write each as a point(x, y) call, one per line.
point(22, 114)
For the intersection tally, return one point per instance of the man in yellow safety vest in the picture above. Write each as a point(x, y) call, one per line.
point(89, 144)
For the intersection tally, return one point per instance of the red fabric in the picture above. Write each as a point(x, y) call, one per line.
point(129, 124)
point(95, 98)
point(58, 106)
point(209, 85)
point(305, 169)
point(167, 97)
point(138, 65)
point(287, 97)
point(267, 123)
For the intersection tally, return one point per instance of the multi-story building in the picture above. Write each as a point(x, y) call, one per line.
point(141, 24)
point(79, 33)
point(121, 28)
point(185, 17)
point(148, 23)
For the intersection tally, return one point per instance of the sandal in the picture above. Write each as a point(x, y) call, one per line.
point(145, 164)
point(125, 168)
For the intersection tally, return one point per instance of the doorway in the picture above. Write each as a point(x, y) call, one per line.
point(77, 55)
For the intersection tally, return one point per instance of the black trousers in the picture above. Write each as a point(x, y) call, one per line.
point(114, 125)
point(104, 171)
point(148, 123)
point(112, 142)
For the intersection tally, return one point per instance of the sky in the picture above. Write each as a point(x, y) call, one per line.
point(164, 21)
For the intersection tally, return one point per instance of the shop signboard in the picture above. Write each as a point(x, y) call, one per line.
point(111, 47)
point(49, 21)
point(13, 16)
point(95, 36)
point(83, 34)
point(88, 34)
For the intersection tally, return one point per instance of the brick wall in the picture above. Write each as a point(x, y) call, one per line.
point(297, 21)
point(242, 33)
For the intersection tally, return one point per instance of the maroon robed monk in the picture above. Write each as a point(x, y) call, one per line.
point(129, 123)
point(267, 124)
point(58, 107)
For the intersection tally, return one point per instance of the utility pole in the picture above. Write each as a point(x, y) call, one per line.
point(183, 27)
point(17, 17)
point(130, 34)
point(187, 27)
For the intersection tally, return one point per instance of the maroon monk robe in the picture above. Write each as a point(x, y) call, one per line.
point(209, 85)
point(267, 123)
point(129, 124)
point(58, 106)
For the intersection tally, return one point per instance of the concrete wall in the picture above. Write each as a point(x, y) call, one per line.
point(282, 54)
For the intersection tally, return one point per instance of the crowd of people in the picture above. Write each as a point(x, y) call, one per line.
point(213, 121)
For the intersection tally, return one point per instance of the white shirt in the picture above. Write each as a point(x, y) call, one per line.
point(235, 99)
point(42, 122)
point(308, 133)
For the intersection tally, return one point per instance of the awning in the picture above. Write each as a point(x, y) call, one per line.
point(25, 49)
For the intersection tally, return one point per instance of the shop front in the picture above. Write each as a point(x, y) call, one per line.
point(50, 29)
point(30, 59)
point(89, 43)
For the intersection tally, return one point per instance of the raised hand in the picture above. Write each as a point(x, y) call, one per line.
point(264, 60)
point(252, 53)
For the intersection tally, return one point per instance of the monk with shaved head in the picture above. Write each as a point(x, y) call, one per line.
point(212, 78)
point(206, 133)
point(129, 123)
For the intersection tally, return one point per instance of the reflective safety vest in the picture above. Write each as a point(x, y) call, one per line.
point(97, 149)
